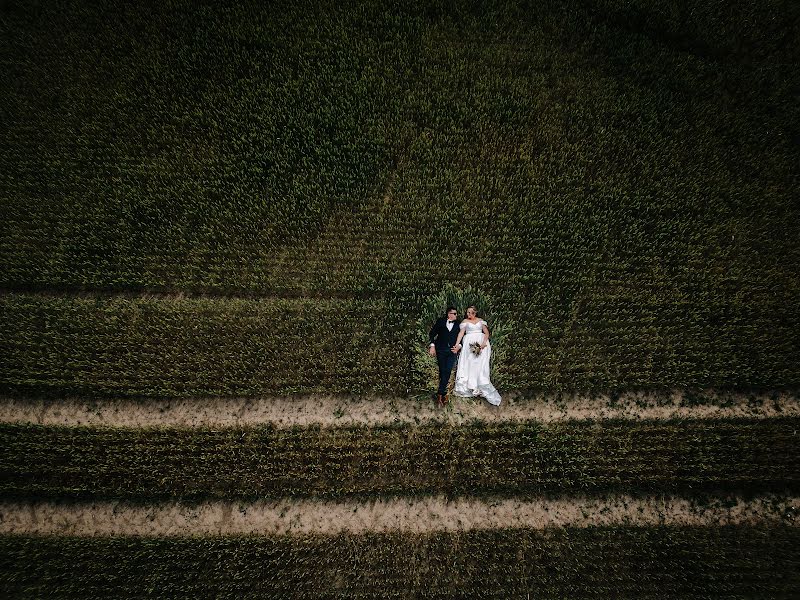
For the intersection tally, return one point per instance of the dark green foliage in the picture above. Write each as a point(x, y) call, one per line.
point(171, 347)
point(329, 462)
point(620, 177)
point(598, 562)
point(171, 145)
point(174, 347)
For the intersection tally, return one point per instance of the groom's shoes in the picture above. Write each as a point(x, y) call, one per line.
point(445, 400)
point(440, 400)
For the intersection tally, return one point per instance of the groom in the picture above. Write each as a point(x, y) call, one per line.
point(443, 337)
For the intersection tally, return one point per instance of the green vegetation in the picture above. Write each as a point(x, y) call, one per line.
point(182, 144)
point(204, 199)
point(509, 459)
point(174, 347)
point(118, 346)
point(220, 141)
point(618, 177)
point(598, 562)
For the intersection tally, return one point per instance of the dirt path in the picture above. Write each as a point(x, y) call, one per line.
point(338, 410)
point(421, 515)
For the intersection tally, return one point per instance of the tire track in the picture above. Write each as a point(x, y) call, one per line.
point(296, 517)
point(342, 410)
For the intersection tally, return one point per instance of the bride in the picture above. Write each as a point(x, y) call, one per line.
point(472, 373)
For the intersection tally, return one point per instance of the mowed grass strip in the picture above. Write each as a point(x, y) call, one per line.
point(603, 562)
point(512, 458)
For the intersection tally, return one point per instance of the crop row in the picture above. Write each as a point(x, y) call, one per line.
point(167, 347)
point(329, 462)
point(188, 347)
point(598, 562)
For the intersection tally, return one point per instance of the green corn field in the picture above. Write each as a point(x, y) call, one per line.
point(274, 201)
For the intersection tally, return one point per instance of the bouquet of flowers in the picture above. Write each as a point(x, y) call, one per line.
point(475, 348)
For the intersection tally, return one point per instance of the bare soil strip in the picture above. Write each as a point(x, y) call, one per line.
point(288, 516)
point(339, 410)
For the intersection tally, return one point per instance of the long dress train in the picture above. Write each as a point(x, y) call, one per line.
point(472, 374)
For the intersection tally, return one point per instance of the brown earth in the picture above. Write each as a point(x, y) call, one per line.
point(288, 516)
point(341, 410)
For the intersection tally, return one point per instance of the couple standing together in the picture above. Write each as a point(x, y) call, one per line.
point(448, 337)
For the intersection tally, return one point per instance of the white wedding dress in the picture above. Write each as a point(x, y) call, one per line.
point(472, 374)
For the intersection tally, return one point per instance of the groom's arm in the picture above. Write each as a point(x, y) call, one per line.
point(432, 336)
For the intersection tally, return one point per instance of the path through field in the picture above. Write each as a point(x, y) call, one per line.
point(426, 515)
point(332, 410)
point(419, 514)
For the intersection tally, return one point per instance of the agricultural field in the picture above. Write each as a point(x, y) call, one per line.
point(226, 230)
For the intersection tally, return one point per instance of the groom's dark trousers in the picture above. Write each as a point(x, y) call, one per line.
point(444, 340)
point(446, 362)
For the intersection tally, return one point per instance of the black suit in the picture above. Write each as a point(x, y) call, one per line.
point(443, 340)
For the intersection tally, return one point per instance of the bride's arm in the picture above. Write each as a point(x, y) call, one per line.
point(461, 331)
point(485, 335)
